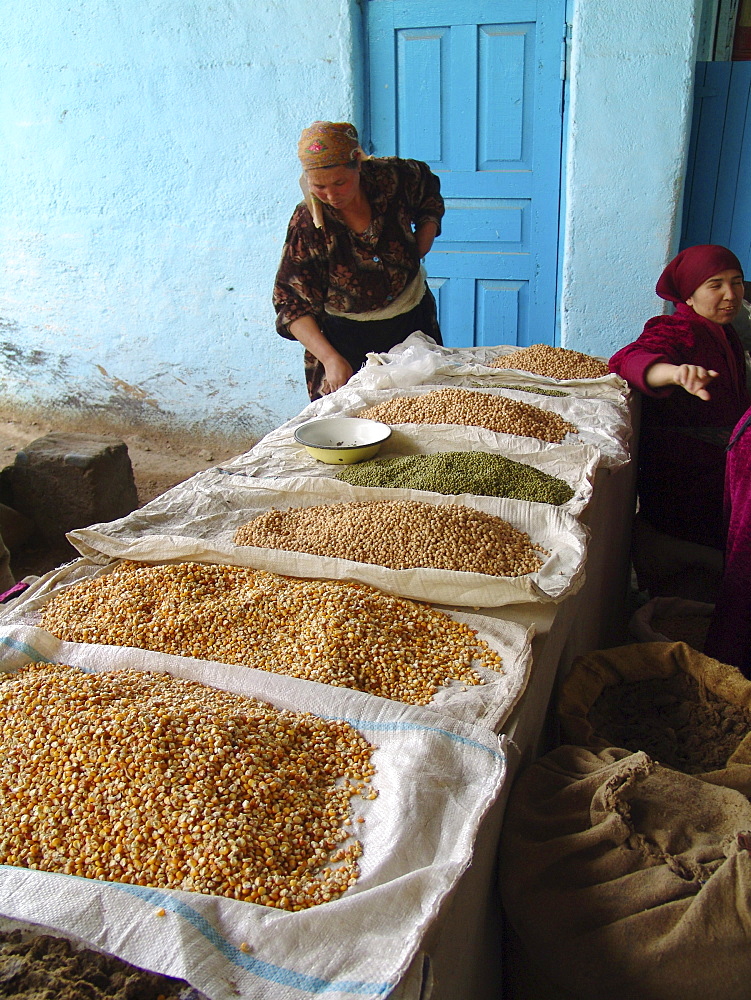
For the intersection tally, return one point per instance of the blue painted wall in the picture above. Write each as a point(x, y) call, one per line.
point(631, 84)
point(148, 170)
point(148, 165)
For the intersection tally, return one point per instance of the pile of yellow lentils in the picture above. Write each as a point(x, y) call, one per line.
point(345, 634)
point(553, 362)
point(472, 408)
point(145, 778)
point(449, 536)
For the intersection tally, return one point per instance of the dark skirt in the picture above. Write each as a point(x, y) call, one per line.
point(354, 339)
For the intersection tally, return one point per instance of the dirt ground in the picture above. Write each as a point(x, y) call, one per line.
point(160, 460)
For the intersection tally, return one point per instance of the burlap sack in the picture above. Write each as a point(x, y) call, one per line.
point(590, 674)
point(624, 878)
point(628, 880)
point(672, 619)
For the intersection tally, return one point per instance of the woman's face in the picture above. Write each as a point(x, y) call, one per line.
point(335, 186)
point(719, 298)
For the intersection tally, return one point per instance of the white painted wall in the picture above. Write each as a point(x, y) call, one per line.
point(632, 70)
point(148, 165)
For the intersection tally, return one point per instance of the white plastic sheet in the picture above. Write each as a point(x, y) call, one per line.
point(602, 424)
point(419, 355)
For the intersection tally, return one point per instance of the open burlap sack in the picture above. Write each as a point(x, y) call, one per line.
point(591, 673)
point(672, 619)
point(625, 879)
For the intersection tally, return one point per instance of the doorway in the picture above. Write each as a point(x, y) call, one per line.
point(475, 89)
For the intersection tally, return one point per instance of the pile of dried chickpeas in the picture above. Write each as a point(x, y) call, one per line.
point(553, 362)
point(472, 408)
point(449, 536)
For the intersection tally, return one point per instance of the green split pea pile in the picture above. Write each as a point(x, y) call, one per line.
point(452, 473)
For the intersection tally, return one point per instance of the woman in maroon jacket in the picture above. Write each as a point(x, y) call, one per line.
point(729, 636)
point(690, 368)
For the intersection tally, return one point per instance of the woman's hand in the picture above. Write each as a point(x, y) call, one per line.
point(338, 370)
point(693, 378)
point(338, 373)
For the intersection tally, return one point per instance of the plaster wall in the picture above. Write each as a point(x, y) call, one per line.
point(149, 169)
point(632, 74)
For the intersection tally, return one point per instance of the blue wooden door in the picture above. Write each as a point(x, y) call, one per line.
point(717, 199)
point(474, 88)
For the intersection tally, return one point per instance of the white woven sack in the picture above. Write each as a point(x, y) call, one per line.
point(436, 779)
point(603, 423)
point(279, 454)
point(419, 357)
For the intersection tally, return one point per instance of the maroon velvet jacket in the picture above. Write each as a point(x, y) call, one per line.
point(683, 438)
point(729, 636)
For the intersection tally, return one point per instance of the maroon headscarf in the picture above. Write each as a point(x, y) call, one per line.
point(691, 268)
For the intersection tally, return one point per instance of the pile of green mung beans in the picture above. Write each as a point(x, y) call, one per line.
point(478, 473)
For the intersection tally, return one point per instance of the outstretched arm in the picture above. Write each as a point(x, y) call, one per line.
point(693, 378)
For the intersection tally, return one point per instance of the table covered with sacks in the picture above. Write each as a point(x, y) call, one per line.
point(276, 765)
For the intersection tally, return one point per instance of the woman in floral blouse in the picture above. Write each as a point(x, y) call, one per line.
point(350, 280)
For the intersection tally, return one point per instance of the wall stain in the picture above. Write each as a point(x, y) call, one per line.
point(134, 391)
point(148, 402)
point(16, 357)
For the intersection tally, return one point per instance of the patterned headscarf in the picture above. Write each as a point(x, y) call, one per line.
point(328, 144)
point(692, 267)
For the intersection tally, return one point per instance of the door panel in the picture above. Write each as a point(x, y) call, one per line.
point(717, 199)
point(474, 88)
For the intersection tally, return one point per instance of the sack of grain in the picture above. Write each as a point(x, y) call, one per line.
point(672, 619)
point(626, 879)
point(685, 709)
point(436, 782)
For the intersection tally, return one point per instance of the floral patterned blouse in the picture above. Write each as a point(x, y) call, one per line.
point(356, 273)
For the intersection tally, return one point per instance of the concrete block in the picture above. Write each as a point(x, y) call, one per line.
point(64, 481)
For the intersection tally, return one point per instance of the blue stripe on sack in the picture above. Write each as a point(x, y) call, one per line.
point(394, 727)
point(23, 647)
point(264, 970)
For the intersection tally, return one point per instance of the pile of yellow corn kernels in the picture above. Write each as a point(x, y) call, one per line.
point(145, 778)
point(345, 634)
